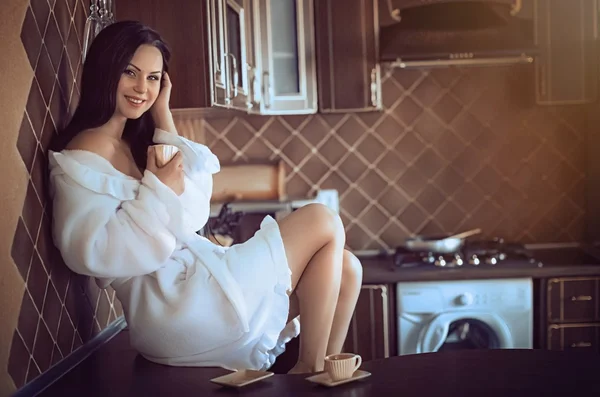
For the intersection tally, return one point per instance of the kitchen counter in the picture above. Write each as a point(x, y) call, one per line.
point(567, 261)
point(118, 370)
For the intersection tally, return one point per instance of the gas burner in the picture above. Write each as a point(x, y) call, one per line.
point(477, 254)
point(405, 258)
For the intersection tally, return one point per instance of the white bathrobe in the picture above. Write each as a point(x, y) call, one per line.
point(187, 301)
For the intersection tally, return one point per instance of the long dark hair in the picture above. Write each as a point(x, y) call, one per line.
point(108, 56)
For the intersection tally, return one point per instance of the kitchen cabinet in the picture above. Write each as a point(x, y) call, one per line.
point(349, 76)
point(370, 332)
point(567, 67)
point(253, 56)
point(231, 35)
point(573, 313)
point(371, 329)
point(187, 32)
point(209, 61)
point(284, 73)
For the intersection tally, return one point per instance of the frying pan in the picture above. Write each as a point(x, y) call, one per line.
point(441, 245)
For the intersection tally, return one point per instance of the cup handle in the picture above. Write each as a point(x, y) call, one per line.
point(358, 362)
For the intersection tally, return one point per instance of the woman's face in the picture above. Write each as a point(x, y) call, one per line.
point(139, 85)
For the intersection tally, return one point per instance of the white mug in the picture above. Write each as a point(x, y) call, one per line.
point(342, 366)
point(164, 153)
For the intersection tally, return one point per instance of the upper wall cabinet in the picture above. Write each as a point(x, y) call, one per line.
point(567, 68)
point(230, 28)
point(184, 27)
point(284, 73)
point(347, 55)
point(253, 56)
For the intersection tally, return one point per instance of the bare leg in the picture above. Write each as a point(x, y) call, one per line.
point(314, 239)
point(346, 303)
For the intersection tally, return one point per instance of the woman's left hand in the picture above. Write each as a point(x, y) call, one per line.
point(161, 113)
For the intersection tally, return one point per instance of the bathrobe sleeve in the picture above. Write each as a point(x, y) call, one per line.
point(99, 235)
point(199, 164)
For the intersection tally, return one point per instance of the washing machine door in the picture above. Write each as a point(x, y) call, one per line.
point(464, 330)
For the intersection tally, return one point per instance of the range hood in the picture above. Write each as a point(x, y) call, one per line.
point(454, 32)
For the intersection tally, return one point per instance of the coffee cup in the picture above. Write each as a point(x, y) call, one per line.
point(164, 153)
point(342, 366)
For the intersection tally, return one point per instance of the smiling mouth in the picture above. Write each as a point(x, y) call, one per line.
point(135, 101)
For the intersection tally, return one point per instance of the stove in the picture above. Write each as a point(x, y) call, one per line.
point(473, 254)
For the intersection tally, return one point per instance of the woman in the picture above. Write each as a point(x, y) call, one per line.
point(119, 217)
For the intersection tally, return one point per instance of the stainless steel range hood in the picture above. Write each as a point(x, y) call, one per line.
point(440, 33)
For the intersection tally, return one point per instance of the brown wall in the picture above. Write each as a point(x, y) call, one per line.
point(454, 149)
point(51, 311)
point(13, 96)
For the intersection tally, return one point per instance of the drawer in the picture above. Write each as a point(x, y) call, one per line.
point(573, 300)
point(574, 337)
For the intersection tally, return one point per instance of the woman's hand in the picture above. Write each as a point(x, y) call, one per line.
point(171, 174)
point(161, 113)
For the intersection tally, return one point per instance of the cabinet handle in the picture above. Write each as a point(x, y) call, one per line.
point(234, 75)
point(581, 298)
point(581, 344)
point(226, 68)
point(251, 89)
point(219, 68)
point(266, 88)
point(374, 90)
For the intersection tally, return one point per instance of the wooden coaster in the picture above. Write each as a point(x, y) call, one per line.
point(241, 378)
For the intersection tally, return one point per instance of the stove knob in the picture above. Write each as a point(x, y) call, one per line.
point(474, 260)
point(465, 299)
point(458, 260)
point(491, 261)
point(441, 262)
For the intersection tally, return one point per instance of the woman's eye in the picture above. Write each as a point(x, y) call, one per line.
point(129, 72)
point(155, 78)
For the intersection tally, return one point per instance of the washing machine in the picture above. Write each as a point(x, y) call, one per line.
point(472, 314)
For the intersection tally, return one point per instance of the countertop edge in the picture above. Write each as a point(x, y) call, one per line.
point(379, 271)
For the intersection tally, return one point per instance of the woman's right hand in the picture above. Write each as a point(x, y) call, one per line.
point(171, 174)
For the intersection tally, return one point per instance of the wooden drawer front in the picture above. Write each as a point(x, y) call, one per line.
point(574, 337)
point(573, 300)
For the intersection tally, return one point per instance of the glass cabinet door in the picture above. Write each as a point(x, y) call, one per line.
point(229, 45)
point(284, 47)
point(218, 52)
point(237, 66)
point(285, 42)
point(251, 71)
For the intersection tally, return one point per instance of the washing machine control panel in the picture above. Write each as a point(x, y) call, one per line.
point(465, 299)
point(479, 299)
point(433, 297)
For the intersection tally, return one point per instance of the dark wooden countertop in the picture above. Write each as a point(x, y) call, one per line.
point(117, 370)
point(557, 262)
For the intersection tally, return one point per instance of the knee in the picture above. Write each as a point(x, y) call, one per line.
point(352, 271)
point(327, 221)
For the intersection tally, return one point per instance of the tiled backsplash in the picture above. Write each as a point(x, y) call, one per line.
point(454, 149)
point(60, 310)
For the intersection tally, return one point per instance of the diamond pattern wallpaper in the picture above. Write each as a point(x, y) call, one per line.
point(454, 149)
point(60, 310)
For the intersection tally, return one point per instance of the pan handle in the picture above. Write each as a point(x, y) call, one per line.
point(466, 234)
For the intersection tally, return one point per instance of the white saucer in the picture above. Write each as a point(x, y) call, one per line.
point(325, 380)
point(241, 378)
